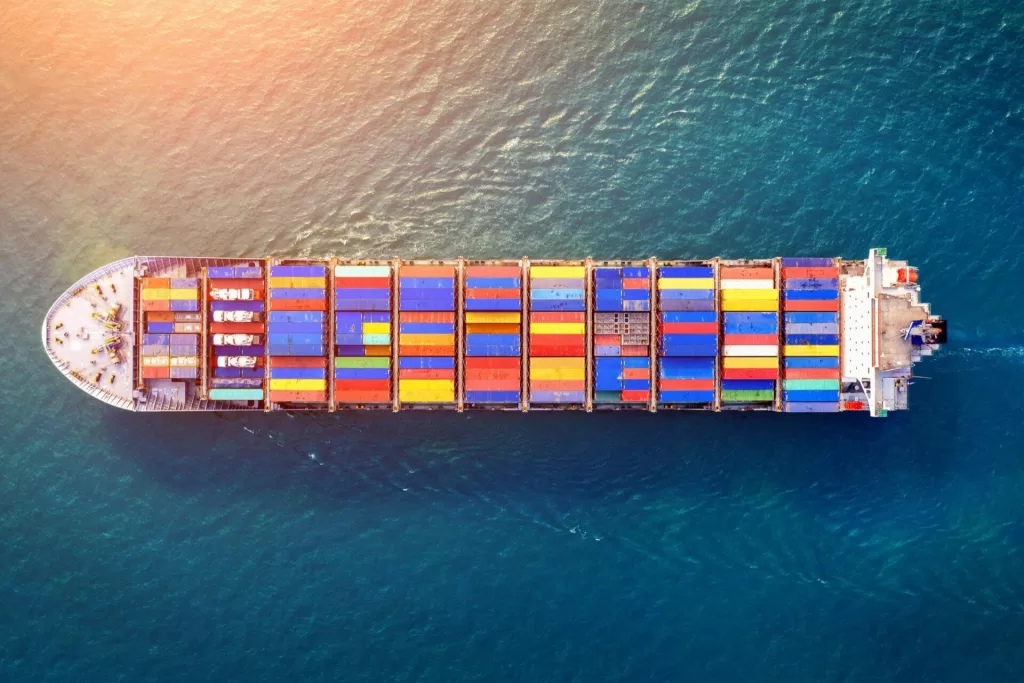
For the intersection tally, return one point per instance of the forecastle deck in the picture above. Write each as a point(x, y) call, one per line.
point(215, 334)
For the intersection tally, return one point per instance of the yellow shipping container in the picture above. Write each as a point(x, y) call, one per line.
point(376, 328)
point(557, 328)
point(426, 390)
point(183, 294)
point(557, 271)
point(156, 294)
point(575, 363)
point(814, 351)
point(557, 373)
point(297, 283)
point(298, 384)
point(750, 305)
point(426, 339)
point(686, 283)
point(750, 363)
point(750, 294)
point(184, 361)
point(492, 317)
point(156, 361)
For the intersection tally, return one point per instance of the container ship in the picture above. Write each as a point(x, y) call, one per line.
point(794, 335)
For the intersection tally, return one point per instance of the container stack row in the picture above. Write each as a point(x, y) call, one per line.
point(622, 334)
point(237, 332)
point(170, 340)
point(750, 307)
point(362, 334)
point(810, 381)
point(297, 333)
point(426, 334)
point(557, 334)
point(687, 335)
point(493, 311)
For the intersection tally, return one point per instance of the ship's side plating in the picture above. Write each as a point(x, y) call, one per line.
point(222, 334)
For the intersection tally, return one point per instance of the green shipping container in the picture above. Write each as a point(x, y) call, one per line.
point(607, 397)
point(362, 362)
point(743, 396)
point(811, 384)
point(236, 394)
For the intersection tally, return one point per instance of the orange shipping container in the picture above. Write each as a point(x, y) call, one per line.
point(298, 305)
point(156, 283)
point(829, 273)
point(160, 317)
point(557, 385)
point(492, 328)
point(298, 396)
point(791, 305)
point(156, 305)
point(346, 396)
point(492, 271)
point(492, 293)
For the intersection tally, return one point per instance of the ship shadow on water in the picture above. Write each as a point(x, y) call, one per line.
point(575, 455)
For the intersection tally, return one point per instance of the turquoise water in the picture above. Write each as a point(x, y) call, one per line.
point(753, 548)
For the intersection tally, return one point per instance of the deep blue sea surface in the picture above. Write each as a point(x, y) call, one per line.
point(575, 548)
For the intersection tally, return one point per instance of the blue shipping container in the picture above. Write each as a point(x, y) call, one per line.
point(254, 306)
point(686, 271)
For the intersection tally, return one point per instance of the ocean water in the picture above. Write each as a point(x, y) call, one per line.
point(720, 548)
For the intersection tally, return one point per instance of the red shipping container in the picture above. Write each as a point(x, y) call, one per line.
point(855, 405)
point(750, 373)
point(492, 374)
point(557, 317)
point(745, 273)
point(635, 396)
point(812, 373)
point(493, 363)
point(238, 283)
point(156, 373)
point(345, 397)
point(493, 293)
point(427, 373)
point(607, 339)
point(686, 384)
point(790, 305)
point(751, 339)
point(298, 305)
point(636, 283)
point(427, 271)
point(634, 351)
point(556, 351)
point(362, 282)
point(555, 339)
point(426, 317)
point(156, 305)
point(829, 273)
point(297, 362)
point(298, 396)
point(492, 384)
point(433, 351)
point(493, 271)
point(688, 328)
point(362, 385)
point(236, 328)
point(556, 385)
point(636, 373)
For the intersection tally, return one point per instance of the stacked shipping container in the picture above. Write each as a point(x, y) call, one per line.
point(362, 334)
point(557, 334)
point(687, 334)
point(750, 352)
point(622, 334)
point(426, 334)
point(493, 317)
point(810, 381)
point(170, 341)
point(246, 316)
point(297, 332)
